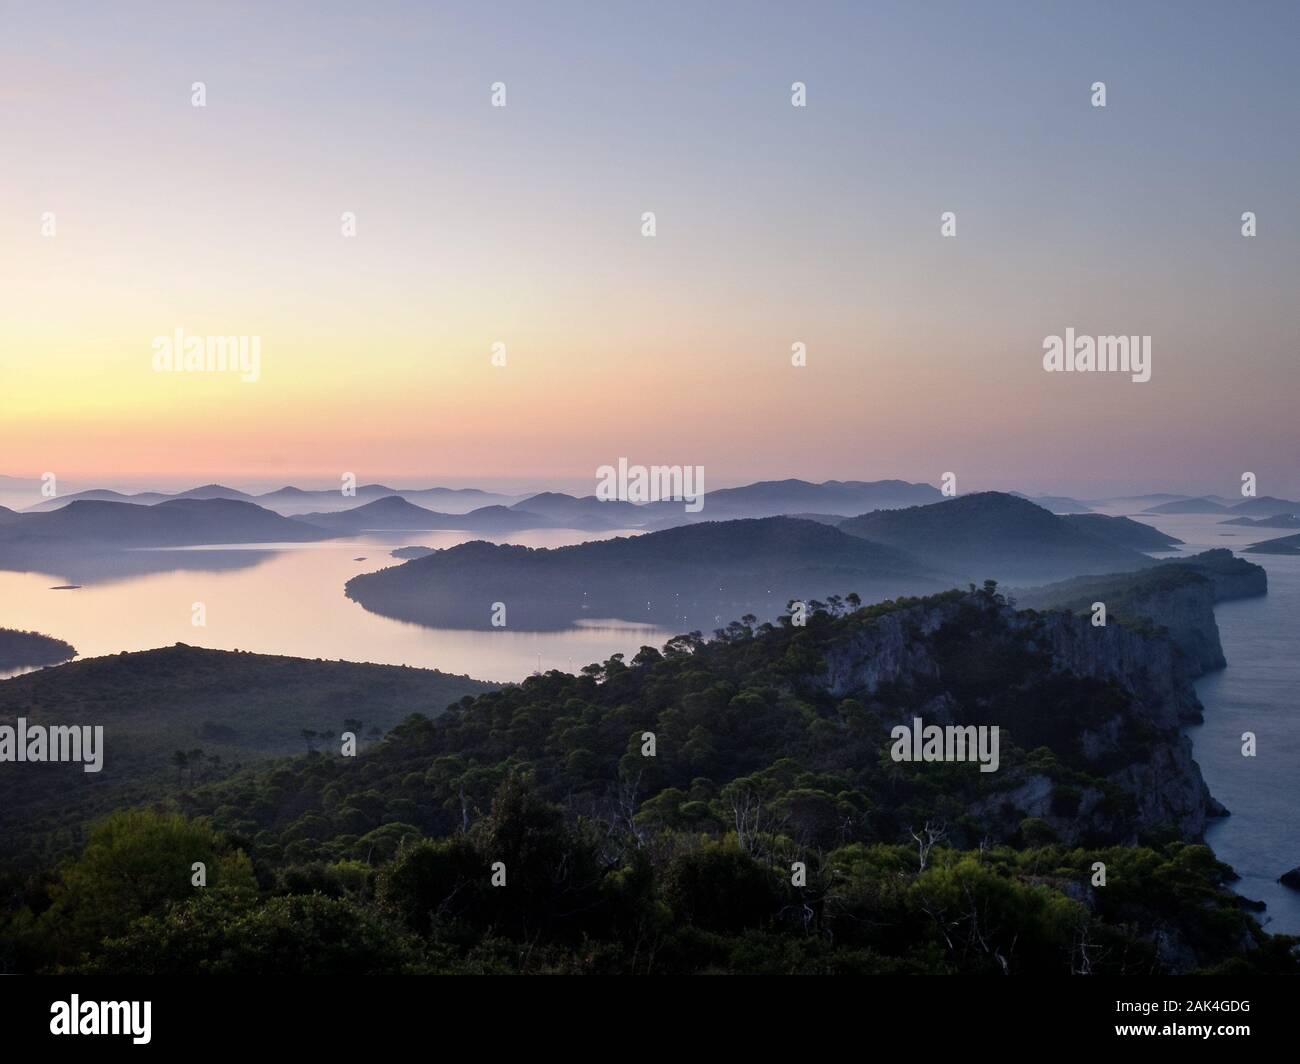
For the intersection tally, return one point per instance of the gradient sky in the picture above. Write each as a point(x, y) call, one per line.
point(775, 225)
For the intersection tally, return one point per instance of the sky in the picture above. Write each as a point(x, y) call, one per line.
point(775, 225)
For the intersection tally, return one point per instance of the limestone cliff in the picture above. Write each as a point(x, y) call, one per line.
point(1178, 596)
point(1131, 695)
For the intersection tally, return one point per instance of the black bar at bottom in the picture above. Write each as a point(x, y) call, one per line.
point(587, 1014)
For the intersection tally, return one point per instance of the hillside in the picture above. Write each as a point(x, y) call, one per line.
point(390, 512)
point(174, 523)
point(762, 499)
point(1122, 532)
point(143, 498)
point(1057, 504)
point(1232, 577)
point(140, 498)
point(1266, 506)
point(1277, 521)
point(1177, 597)
point(1189, 506)
point(234, 707)
point(294, 501)
point(776, 498)
point(773, 497)
point(692, 576)
point(213, 491)
point(994, 535)
point(1140, 502)
point(588, 511)
point(772, 747)
point(407, 553)
point(510, 519)
point(1281, 545)
point(395, 512)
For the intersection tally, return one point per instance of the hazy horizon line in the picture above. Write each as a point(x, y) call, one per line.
point(561, 483)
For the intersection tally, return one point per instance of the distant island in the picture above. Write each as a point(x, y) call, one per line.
point(23, 649)
point(1189, 506)
point(694, 575)
point(394, 513)
point(1286, 520)
point(1267, 506)
point(998, 535)
point(1282, 545)
point(174, 523)
point(1264, 505)
point(407, 553)
point(287, 500)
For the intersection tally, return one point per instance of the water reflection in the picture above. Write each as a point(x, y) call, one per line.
point(288, 599)
point(104, 567)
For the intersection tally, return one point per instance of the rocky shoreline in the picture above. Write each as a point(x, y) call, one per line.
point(1160, 636)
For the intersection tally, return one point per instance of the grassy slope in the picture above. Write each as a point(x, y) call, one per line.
point(241, 707)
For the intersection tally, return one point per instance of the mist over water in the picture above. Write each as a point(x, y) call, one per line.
point(288, 599)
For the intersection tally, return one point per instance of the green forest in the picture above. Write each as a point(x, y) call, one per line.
point(715, 805)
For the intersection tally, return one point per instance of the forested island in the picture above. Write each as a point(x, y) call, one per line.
point(23, 649)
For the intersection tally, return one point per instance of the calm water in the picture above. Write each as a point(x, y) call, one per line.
point(288, 599)
point(1257, 692)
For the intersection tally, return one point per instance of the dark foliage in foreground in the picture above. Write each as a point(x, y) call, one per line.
point(615, 862)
